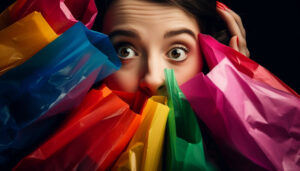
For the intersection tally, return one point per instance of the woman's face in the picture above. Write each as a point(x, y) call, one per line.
point(148, 38)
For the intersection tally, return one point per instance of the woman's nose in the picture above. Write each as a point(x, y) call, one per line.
point(153, 81)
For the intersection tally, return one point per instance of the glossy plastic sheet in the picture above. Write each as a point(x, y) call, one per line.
point(217, 52)
point(91, 139)
point(136, 100)
point(60, 14)
point(184, 140)
point(23, 39)
point(51, 82)
point(249, 115)
point(144, 151)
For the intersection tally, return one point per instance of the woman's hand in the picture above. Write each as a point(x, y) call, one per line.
point(235, 27)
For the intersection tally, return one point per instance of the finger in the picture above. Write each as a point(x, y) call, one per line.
point(233, 43)
point(242, 45)
point(238, 21)
point(234, 30)
point(245, 52)
point(232, 25)
point(235, 27)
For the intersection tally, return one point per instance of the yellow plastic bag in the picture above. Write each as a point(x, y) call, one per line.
point(22, 39)
point(145, 149)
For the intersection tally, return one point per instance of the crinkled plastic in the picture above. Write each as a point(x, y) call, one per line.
point(60, 14)
point(23, 39)
point(184, 140)
point(91, 139)
point(135, 100)
point(249, 115)
point(218, 52)
point(27, 140)
point(144, 151)
point(51, 82)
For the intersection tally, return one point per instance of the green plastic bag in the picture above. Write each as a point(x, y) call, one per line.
point(184, 143)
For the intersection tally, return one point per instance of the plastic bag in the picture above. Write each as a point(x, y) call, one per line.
point(23, 39)
point(136, 100)
point(218, 52)
point(249, 115)
point(144, 151)
point(184, 140)
point(91, 139)
point(52, 82)
point(60, 14)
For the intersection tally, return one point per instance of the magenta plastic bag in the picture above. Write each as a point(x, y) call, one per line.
point(252, 117)
point(216, 52)
point(60, 14)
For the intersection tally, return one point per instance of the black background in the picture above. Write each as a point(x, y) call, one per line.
point(272, 35)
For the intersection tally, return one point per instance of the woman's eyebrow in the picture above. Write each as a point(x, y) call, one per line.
point(127, 33)
point(172, 33)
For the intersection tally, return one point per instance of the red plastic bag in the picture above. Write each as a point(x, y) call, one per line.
point(60, 14)
point(92, 138)
point(136, 100)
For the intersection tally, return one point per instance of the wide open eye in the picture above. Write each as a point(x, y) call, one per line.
point(178, 54)
point(125, 52)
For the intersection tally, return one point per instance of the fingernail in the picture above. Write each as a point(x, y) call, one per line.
point(237, 40)
point(221, 5)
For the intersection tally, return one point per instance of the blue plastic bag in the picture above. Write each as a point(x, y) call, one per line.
point(51, 82)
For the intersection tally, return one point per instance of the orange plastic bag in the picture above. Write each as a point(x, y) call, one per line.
point(21, 40)
point(92, 138)
point(145, 149)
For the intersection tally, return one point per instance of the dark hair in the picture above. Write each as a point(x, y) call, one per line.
point(203, 10)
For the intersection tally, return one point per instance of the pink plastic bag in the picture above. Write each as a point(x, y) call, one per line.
point(60, 14)
point(216, 52)
point(249, 115)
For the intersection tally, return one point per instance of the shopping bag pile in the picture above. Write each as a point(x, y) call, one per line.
point(44, 74)
point(56, 114)
point(144, 151)
point(91, 138)
point(95, 134)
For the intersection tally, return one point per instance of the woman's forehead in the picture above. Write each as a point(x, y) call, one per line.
point(149, 14)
